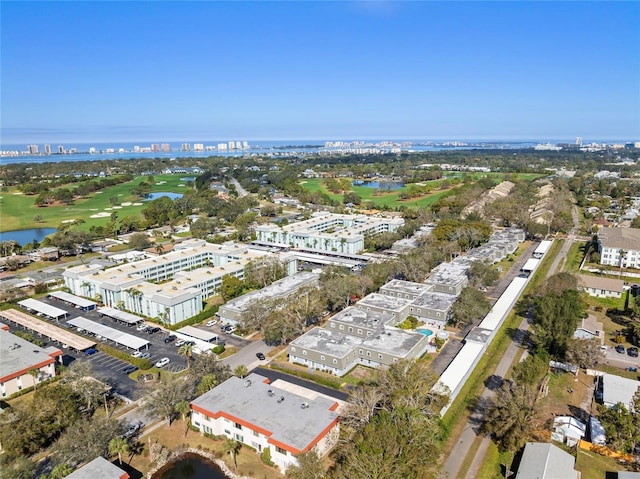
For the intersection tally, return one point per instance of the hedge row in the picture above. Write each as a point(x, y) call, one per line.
point(333, 384)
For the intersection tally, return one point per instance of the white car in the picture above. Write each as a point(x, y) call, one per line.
point(137, 354)
point(179, 343)
point(163, 362)
point(212, 322)
point(141, 327)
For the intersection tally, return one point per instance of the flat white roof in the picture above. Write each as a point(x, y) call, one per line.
point(505, 302)
point(197, 333)
point(47, 329)
point(617, 389)
point(543, 247)
point(531, 264)
point(120, 315)
point(43, 308)
point(73, 299)
point(453, 377)
point(126, 339)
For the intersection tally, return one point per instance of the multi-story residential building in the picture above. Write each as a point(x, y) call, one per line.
point(47, 149)
point(99, 468)
point(23, 363)
point(232, 311)
point(450, 278)
point(33, 149)
point(263, 416)
point(165, 147)
point(356, 336)
point(619, 247)
point(171, 287)
point(328, 232)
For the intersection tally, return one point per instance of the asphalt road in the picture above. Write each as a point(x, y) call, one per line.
point(471, 429)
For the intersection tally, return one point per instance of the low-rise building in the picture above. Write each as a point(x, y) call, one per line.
point(616, 390)
point(545, 461)
point(99, 468)
point(263, 416)
point(23, 363)
point(601, 287)
point(590, 328)
point(232, 311)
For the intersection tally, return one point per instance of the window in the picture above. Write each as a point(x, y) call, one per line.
point(333, 325)
point(256, 433)
point(379, 356)
point(281, 451)
point(359, 331)
point(335, 361)
point(350, 329)
point(360, 351)
point(342, 327)
point(226, 431)
point(369, 353)
point(237, 426)
point(238, 437)
point(304, 352)
point(293, 349)
point(322, 357)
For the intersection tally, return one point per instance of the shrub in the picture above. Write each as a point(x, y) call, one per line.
point(143, 364)
point(198, 318)
point(265, 456)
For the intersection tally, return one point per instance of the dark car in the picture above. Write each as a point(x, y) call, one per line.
point(260, 356)
point(91, 351)
point(129, 369)
point(620, 348)
point(153, 329)
point(170, 338)
point(633, 352)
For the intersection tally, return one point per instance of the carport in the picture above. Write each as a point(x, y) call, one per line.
point(123, 316)
point(43, 308)
point(47, 329)
point(530, 266)
point(198, 334)
point(77, 301)
point(100, 330)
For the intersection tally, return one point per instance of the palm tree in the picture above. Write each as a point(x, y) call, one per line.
point(118, 445)
point(241, 371)
point(207, 383)
point(159, 249)
point(60, 471)
point(232, 447)
point(186, 350)
point(184, 408)
point(36, 374)
point(623, 256)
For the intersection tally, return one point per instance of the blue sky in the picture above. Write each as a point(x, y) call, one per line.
point(94, 71)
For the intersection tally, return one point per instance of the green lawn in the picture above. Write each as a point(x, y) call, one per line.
point(390, 199)
point(17, 211)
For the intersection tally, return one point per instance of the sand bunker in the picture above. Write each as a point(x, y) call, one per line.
point(126, 203)
point(137, 204)
point(108, 209)
point(117, 207)
point(102, 214)
point(68, 221)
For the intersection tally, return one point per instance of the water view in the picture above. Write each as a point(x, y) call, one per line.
point(26, 236)
point(380, 185)
point(190, 466)
point(159, 194)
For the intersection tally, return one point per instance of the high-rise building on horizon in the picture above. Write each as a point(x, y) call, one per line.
point(155, 147)
point(60, 150)
point(198, 147)
point(33, 149)
point(47, 149)
point(165, 147)
point(185, 147)
point(579, 141)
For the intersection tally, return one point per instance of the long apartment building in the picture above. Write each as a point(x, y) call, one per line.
point(619, 247)
point(328, 232)
point(171, 287)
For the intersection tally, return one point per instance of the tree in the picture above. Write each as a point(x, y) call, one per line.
point(470, 306)
point(86, 439)
point(240, 371)
point(555, 319)
point(59, 471)
point(232, 447)
point(482, 275)
point(231, 287)
point(207, 383)
point(35, 374)
point(585, 353)
point(118, 445)
point(162, 402)
point(186, 350)
point(309, 467)
point(339, 291)
point(183, 408)
point(139, 241)
point(622, 424)
point(37, 218)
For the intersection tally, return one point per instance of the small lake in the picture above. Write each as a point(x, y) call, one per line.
point(380, 185)
point(190, 466)
point(188, 178)
point(26, 236)
point(160, 194)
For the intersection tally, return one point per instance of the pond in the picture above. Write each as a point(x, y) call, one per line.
point(190, 466)
point(160, 194)
point(188, 178)
point(26, 236)
point(380, 185)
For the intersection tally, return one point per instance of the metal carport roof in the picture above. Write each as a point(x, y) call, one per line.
point(43, 308)
point(125, 339)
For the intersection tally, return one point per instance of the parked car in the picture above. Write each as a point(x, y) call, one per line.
point(171, 337)
point(260, 356)
point(179, 343)
point(212, 322)
point(129, 369)
point(633, 352)
point(163, 362)
point(620, 348)
point(153, 329)
point(133, 429)
point(91, 351)
point(136, 354)
point(145, 355)
point(231, 329)
point(141, 327)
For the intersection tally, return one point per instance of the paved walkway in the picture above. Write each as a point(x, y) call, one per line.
point(471, 430)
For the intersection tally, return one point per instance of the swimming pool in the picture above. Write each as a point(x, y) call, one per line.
point(426, 332)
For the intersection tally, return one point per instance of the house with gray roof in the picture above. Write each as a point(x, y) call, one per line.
point(264, 416)
point(600, 287)
point(545, 461)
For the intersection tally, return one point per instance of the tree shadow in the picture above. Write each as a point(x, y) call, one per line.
point(493, 382)
point(132, 471)
point(579, 413)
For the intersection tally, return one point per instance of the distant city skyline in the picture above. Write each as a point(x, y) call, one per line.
point(267, 71)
